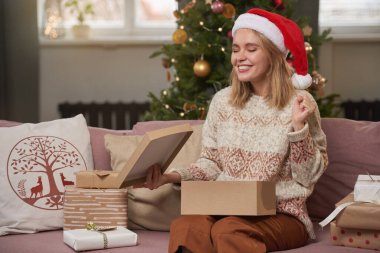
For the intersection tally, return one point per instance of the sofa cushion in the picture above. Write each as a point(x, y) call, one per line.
point(141, 128)
point(7, 123)
point(37, 161)
point(154, 209)
point(102, 159)
point(353, 148)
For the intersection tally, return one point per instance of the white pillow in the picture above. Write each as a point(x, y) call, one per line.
point(36, 162)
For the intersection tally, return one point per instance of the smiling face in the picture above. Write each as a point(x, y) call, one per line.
point(249, 59)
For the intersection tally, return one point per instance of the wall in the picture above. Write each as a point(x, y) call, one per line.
point(125, 73)
point(352, 68)
point(100, 73)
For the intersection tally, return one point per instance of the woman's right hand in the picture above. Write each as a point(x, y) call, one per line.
point(155, 178)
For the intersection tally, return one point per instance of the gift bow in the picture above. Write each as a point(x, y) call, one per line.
point(93, 227)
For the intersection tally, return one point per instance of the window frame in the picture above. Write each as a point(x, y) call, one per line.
point(341, 32)
point(129, 31)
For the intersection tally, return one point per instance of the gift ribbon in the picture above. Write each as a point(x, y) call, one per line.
point(92, 227)
point(332, 215)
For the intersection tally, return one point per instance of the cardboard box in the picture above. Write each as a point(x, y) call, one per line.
point(355, 238)
point(83, 239)
point(104, 207)
point(358, 215)
point(228, 198)
point(157, 147)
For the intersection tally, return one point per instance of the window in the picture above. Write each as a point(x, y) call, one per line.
point(115, 18)
point(350, 18)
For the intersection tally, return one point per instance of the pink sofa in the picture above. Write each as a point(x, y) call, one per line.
point(353, 149)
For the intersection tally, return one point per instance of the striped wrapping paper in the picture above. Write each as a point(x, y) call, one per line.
point(104, 207)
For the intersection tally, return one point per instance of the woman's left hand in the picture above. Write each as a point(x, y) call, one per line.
point(303, 107)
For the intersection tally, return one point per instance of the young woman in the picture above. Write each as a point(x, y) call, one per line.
point(260, 128)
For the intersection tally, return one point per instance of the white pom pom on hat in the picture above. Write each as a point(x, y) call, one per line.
point(285, 34)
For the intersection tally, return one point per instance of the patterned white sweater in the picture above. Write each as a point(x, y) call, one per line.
point(258, 143)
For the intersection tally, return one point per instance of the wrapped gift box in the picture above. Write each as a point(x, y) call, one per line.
point(104, 207)
point(367, 189)
point(356, 238)
point(83, 239)
point(358, 215)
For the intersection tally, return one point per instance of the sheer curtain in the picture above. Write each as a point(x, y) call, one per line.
point(19, 60)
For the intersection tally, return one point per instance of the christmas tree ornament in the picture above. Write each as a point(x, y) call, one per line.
point(229, 11)
point(217, 7)
point(318, 80)
point(188, 7)
point(188, 106)
point(176, 14)
point(202, 113)
point(308, 47)
point(179, 36)
point(229, 34)
point(318, 84)
point(201, 68)
point(278, 4)
point(168, 75)
point(166, 63)
point(307, 31)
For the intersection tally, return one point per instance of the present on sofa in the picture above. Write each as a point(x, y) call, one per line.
point(91, 239)
point(157, 147)
point(356, 238)
point(359, 208)
point(358, 215)
point(104, 207)
point(367, 188)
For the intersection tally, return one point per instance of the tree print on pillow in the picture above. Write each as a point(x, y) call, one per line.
point(39, 168)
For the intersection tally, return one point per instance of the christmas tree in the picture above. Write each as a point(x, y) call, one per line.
point(198, 64)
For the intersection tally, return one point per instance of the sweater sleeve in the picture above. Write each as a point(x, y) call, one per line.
point(206, 168)
point(308, 156)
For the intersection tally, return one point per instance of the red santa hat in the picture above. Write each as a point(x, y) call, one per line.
point(285, 34)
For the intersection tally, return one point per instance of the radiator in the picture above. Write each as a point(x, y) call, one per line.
point(362, 110)
point(117, 116)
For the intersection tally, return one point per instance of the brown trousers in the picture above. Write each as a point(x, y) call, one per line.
point(228, 234)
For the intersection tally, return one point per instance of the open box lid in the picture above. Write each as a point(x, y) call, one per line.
point(157, 147)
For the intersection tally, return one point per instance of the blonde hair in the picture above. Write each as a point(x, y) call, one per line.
point(279, 75)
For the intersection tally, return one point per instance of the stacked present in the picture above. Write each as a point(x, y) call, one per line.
point(95, 211)
point(104, 207)
point(358, 222)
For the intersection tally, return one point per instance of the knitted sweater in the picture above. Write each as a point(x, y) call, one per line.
point(258, 143)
